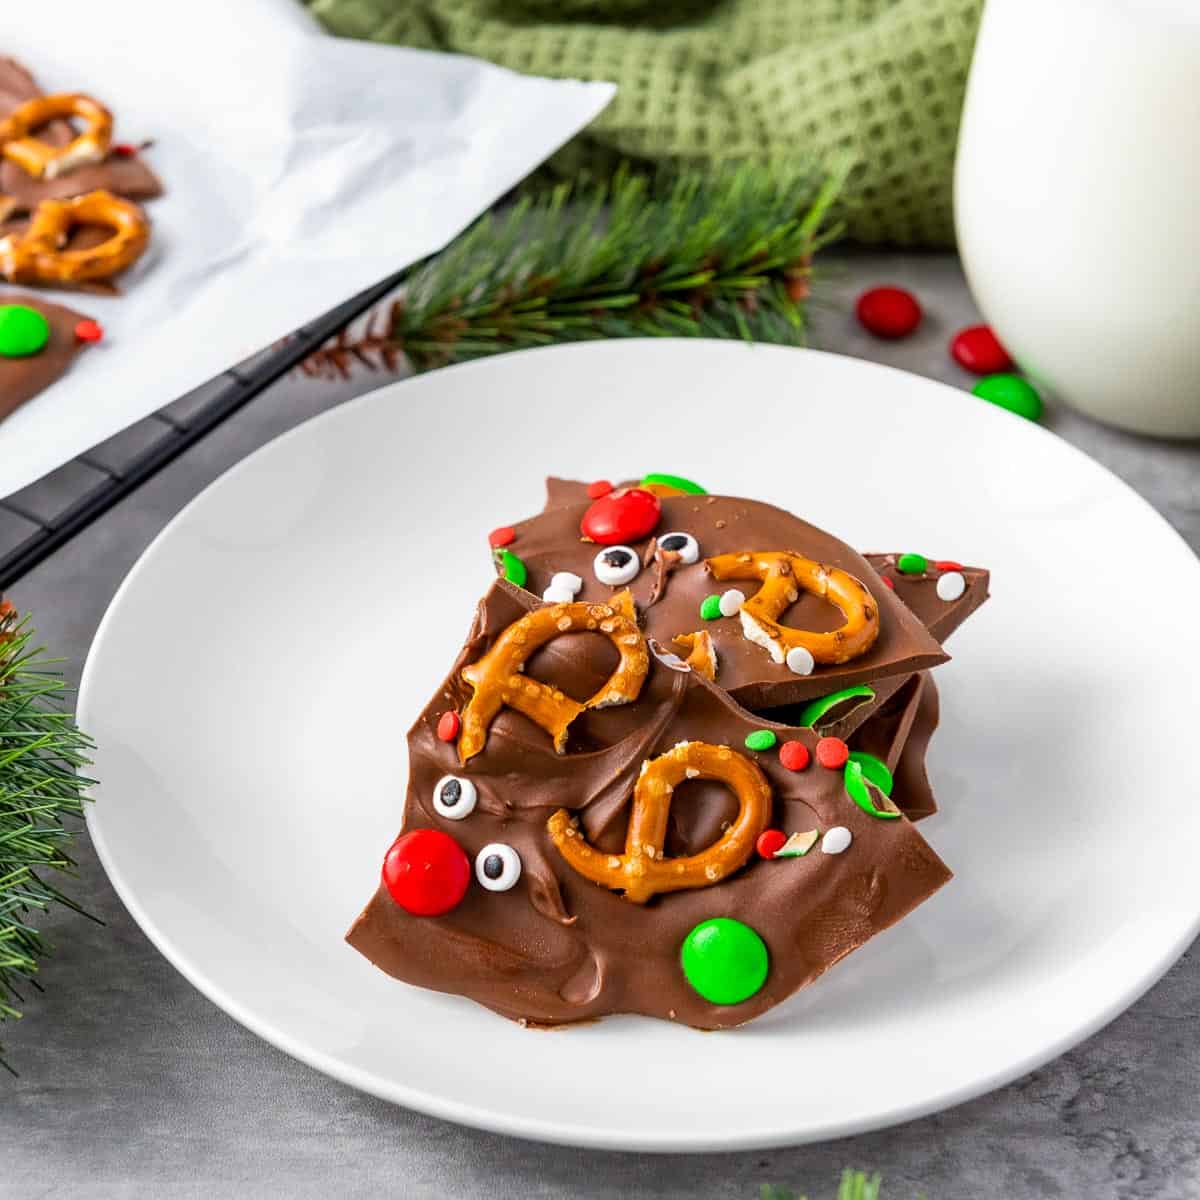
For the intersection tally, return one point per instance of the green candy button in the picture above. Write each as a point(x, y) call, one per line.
point(725, 961)
point(1011, 392)
point(511, 567)
point(675, 481)
point(23, 331)
point(760, 739)
point(912, 564)
point(710, 610)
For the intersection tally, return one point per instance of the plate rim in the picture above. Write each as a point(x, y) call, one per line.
point(563, 1131)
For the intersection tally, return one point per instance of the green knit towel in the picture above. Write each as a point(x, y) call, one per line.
point(701, 81)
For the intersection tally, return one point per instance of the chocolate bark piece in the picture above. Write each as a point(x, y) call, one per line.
point(128, 177)
point(669, 602)
point(22, 378)
point(558, 948)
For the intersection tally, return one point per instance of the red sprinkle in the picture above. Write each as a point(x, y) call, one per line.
point(624, 516)
point(449, 723)
point(977, 349)
point(503, 536)
point(832, 753)
point(600, 488)
point(769, 841)
point(887, 582)
point(794, 755)
point(888, 312)
point(426, 872)
point(88, 331)
point(124, 150)
point(948, 564)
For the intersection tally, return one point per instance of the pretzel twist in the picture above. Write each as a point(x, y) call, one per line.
point(784, 575)
point(37, 254)
point(498, 681)
point(642, 871)
point(42, 160)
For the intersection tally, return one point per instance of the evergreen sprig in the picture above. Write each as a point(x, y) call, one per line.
point(41, 753)
point(855, 1185)
point(725, 255)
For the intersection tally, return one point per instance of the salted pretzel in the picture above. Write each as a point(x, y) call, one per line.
point(498, 681)
point(784, 575)
point(642, 871)
point(41, 159)
point(703, 655)
point(37, 254)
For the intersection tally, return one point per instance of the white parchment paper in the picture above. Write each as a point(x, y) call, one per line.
point(299, 170)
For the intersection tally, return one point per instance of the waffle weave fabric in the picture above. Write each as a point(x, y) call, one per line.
point(702, 82)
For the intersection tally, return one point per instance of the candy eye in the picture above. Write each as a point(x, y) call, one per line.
point(616, 565)
point(497, 867)
point(683, 544)
point(454, 797)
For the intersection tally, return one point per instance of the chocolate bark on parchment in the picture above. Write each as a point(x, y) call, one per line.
point(558, 948)
point(22, 378)
point(128, 177)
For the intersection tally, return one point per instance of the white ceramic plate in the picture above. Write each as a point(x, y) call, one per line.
point(252, 682)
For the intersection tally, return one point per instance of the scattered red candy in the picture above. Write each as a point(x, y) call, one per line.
point(449, 723)
point(502, 536)
point(769, 841)
point(889, 312)
point(977, 349)
point(794, 755)
point(600, 488)
point(887, 582)
point(832, 753)
point(88, 331)
point(621, 517)
point(948, 564)
point(426, 872)
point(123, 150)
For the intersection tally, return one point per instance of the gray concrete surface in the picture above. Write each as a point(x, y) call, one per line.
point(134, 1085)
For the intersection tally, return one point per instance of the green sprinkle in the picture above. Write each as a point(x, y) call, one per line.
point(676, 481)
point(857, 790)
point(875, 770)
point(23, 331)
point(912, 564)
point(1011, 392)
point(724, 960)
point(760, 739)
point(511, 567)
point(710, 610)
point(814, 711)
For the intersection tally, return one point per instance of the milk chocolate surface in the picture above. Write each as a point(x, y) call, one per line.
point(22, 378)
point(559, 948)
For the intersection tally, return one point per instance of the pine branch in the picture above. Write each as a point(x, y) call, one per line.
point(41, 752)
point(855, 1185)
point(727, 255)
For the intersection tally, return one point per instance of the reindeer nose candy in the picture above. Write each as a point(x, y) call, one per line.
point(426, 872)
point(626, 515)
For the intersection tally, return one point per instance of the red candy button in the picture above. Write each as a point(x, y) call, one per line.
point(769, 841)
point(948, 564)
point(621, 517)
point(448, 726)
point(889, 312)
point(123, 150)
point(794, 755)
point(600, 488)
point(426, 872)
point(88, 331)
point(832, 753)
point(502, 536)
point(978, 350)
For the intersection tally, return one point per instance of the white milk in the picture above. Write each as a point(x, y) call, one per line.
point(1077, 201)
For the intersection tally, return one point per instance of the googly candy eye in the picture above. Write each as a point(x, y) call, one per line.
point(454, 797)
point(498, 867)
point(616, 565)
point(683, 544)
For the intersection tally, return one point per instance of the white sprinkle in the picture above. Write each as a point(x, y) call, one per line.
point(800, 661)
point(557, 595)
point(951, 585)
point(731, 602)
point(836, 840)
point(567, 581)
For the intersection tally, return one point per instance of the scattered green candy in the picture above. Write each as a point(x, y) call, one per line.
point(675, 481)
point(710, 610)
point(1011, 392)
point(23, 331)
point(875, 770)
point(511, 567)
point(760, 739)
point(818, 708)
point(855, 780)
point(912, 564)
point(724, 960)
